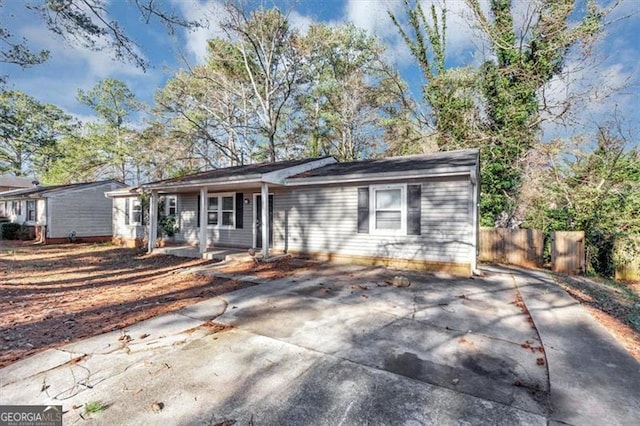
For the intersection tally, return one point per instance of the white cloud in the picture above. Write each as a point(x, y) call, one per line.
point(301, 22)
point(210, 12)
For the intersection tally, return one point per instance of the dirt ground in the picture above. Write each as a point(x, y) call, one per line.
point(615, 305)
point(52, 295)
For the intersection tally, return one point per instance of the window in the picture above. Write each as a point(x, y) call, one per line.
point(388, 207)
point(31, 210)
point(212, 211)
point(227, 210)
point(221, 210)
point(171, 205)
point(136, 211)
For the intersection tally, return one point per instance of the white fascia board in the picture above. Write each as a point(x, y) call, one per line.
point(366, 177)
point(279, 176)
point(224, 182)
point(124, 192)
point(230, 180)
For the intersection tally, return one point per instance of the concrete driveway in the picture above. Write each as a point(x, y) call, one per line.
point(341, 346)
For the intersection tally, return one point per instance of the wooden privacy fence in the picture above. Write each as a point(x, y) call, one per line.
point(523, 247)
point(567, 252)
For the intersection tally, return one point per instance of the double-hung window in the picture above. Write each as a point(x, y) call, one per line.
point(389, 209)
point(136, 211)
point(221, 210)
point(171, 205)
point(31, 210)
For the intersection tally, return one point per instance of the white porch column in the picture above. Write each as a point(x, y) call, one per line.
point(153, 221)
point(203, 220)
point(265, 220)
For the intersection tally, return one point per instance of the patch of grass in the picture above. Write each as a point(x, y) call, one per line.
point(93, 407)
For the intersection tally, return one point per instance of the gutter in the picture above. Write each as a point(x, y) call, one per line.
point(320, 180)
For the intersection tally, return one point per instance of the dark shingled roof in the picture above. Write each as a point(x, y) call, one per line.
point(463, 158)
point(42, 190)
point(237, 171)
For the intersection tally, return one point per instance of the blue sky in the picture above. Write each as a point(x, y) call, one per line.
point(615, 62)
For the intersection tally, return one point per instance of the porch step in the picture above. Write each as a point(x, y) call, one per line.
point(227, 255)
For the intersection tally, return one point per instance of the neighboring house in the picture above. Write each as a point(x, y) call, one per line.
point(414, 211)
point(8, 183)
point(75, 211)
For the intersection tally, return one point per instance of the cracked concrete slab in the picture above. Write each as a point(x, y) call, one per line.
point(336, 346)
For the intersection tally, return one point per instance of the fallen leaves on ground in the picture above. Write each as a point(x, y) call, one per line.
point(273, 270)
point(615, 305)
point(52, 295)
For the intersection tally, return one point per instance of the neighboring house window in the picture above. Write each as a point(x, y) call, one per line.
point(16, 208)
point(388, 208)
point(31, 210)
point(133, 212)
point(136, 212)
point(221, 210)
point(171, 206)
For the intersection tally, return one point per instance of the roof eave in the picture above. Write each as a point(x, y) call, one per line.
point(364, 177)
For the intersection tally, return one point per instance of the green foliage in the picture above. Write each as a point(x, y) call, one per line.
point(104, 149)
point(29, 132)
point(9, 231)
point(14, 231)
point(351, 94)
point(93, 407)
point(267, 92)
point(496, 107)
point(167, 225)
point(598, 192)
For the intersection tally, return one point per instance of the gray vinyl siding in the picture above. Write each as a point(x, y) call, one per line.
point(323, 219)
point(120, 228)
point(188, 230)
point(86, 211)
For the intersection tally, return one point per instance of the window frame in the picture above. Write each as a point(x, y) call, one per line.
point(221, 211)
point(168, 207)
point(373, 211)
point(34, 210)
point(135, 202)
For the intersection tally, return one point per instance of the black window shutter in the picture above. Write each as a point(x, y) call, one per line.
point(198, 212)
point(126, 212)
point(363, 210)
point(414, 193)
point(239, 207)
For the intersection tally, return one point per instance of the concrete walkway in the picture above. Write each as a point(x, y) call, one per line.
point(341, 346)
point(594, 380)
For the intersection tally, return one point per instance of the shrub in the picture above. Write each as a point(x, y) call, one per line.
point(11, 231)
point(167, 226)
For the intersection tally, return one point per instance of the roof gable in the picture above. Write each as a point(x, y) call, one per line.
point(264, 172)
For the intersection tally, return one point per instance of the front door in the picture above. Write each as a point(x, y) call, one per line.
point(258, 221)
